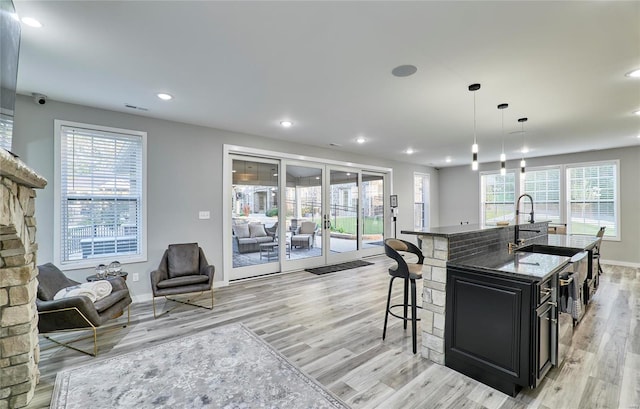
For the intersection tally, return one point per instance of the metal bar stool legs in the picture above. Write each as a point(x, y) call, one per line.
point(414, 310)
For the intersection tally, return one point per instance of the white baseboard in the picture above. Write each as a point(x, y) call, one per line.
point(135, 299)
point(620, 263)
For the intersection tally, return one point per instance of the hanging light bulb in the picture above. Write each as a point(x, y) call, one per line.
point(474, 147)
point(503, 157)
point(523, 164)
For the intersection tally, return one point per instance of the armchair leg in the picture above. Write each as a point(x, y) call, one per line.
point(188, 302)
point(68, 344)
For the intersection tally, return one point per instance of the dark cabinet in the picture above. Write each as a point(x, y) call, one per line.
point(499, 330)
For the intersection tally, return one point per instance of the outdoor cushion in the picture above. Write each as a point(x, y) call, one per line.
point(267, 239)
point(241, 231)
point(307, 228)
point(183, 259)
point(257, 230)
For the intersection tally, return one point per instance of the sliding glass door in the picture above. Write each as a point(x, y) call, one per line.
point(288, 215)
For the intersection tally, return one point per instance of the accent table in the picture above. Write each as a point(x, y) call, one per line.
point(94, 277)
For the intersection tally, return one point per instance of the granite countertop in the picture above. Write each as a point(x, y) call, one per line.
point(530, 266)
point(447, 231)
point(575, 242)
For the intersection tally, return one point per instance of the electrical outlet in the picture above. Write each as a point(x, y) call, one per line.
point(204, 214)
point(136, 277)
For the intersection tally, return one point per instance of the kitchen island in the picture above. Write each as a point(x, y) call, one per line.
point(488, 313)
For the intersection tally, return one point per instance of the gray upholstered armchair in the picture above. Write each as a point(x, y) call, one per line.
point(76, 313)
point(184, 269)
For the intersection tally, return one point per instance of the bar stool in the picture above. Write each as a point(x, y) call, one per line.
point(409, 272)
point(596, 250)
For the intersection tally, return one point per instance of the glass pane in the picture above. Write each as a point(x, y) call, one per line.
point(254, 201)
point(593, 196)
point(372, 210)
point(303, 212)
point(343, 211)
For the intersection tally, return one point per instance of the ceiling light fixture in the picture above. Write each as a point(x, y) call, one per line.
point(522, 162)
point(636, 112)
point(474, 147)
point(503, 157)
point(31, 22)
point(633, 74)
point(286, 124)
point(448, 159)
point(409, 151)
point(361, 139)
point(164, 96)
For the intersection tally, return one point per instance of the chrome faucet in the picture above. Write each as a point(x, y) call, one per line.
point(516, 229)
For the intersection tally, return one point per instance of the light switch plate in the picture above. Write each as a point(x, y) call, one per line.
point(204, 214)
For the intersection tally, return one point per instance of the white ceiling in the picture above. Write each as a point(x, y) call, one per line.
point(245, 66)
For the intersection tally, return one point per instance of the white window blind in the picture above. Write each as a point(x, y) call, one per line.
point(498, 197)
point(101, 194)
point(6, 131)
point(544, 186)
point(593, 198)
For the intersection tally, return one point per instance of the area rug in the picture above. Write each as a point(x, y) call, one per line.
point(225, 367)
point(338, 267)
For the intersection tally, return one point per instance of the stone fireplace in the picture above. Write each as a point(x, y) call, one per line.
point(19, 351)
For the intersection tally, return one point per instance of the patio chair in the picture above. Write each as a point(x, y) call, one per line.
point(305, 235)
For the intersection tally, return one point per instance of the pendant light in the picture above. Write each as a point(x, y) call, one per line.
point(474, 148)
point(503, 157)
point(522, 162)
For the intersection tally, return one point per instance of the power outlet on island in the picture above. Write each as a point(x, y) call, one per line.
point(136, 277)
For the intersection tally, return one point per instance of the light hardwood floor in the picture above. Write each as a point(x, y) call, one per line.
point(331, 327)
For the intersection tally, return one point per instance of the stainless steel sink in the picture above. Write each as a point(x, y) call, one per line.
point(543, 249)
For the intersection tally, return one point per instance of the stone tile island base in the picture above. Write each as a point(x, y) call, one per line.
point(434, 274)
point(19, 351)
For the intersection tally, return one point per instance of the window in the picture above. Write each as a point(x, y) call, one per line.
point(544, 187)
point(100, 195)
point(420, 200)
point(498, 197)
point(6, 130)
point(592, 196)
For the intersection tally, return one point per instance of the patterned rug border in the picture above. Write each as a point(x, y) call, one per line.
point(62, 378)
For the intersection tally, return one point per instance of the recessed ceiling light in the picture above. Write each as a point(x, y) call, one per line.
point(448, 159)
point(31, 22)
point(524, 150)
point(317, 177)
point(164, 97)
point(636, 112)
point(404, 70)
point(286, 124)
point(634, 73)
point(361, 139)
point(409, 151)
point(348, 173)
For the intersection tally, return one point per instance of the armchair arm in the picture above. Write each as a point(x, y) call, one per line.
point(205, 268)
point(67, 313)
point(157, 276)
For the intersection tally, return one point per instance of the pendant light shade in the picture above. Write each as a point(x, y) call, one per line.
point(523, 164)
point(503, 157)
point(474, 148)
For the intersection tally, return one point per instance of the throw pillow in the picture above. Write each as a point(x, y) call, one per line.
point(257, 230)
point(241, 231)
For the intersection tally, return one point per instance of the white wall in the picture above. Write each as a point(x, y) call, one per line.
point(460, 195)
point(184, 176)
